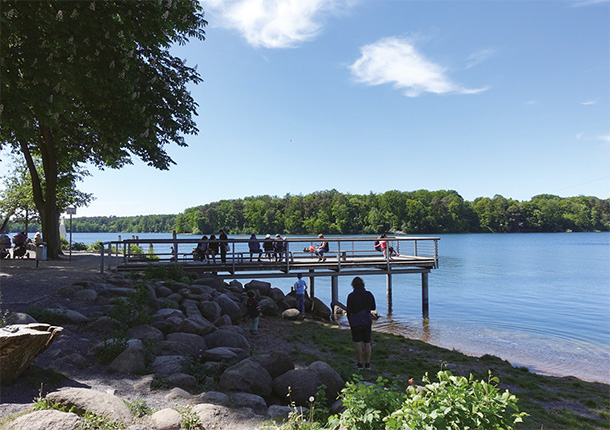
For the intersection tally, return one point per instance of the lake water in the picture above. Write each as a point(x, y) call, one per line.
point(541, 301)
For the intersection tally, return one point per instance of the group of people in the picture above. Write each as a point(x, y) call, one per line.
point(208, 249)
point(274, 249)
point(21, 244)
point(381, 245)
point(360, 303)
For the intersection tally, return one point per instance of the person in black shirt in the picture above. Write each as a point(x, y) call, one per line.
point(360, 303)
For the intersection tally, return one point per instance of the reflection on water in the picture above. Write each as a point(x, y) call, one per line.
point(540, 351)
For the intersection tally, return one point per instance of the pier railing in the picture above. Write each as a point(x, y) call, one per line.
point(344, 253)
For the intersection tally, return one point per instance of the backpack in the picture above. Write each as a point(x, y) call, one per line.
point(377, 246)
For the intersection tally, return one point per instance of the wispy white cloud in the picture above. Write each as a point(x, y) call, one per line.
point(396, 61)
point(604, 138)
point(478, 57)
point(583, 3)
point(274, 23)
point(589, 102)
point(579, 135)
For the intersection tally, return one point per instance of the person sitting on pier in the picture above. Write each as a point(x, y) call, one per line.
point(278, 248)
point(381, 245)
point(268, 247)
point(202, 249)
point(254, 246)
point(322, 248)
point(213, 248)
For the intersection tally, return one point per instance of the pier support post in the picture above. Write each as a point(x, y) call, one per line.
point(311, 284)
point(388, 290)
point(424, 295)
point(334, 280)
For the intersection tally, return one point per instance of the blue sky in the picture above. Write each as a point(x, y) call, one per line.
point(483, 97)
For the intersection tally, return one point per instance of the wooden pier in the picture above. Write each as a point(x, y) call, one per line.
point(348, 256)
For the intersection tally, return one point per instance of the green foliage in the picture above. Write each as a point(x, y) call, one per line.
point(368, 404)
point(133, 310)
point(139, 408)
point(79, 246)
point(50, 316)
point(190, 419)
point(422, 211)
point(4, 314)
point(311, 419)
point(457, 402)
point(91, 421)
point(110, 349)
point(174, 272)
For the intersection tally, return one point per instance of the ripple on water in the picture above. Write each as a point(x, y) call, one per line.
point(542, 351)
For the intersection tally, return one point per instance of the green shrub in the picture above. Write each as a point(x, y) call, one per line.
point(131, 311)
point(49, 316)
point(174, 272)
point(368, 404)
point(456, 402)
point(139, 408)
point(79, 246)
point(110, 349)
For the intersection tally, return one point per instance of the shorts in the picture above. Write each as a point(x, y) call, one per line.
point(361, 333)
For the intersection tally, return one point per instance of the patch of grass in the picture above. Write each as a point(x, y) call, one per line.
point(52, 317)
point(139, 408)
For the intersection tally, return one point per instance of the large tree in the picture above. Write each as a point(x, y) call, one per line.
point(93, 82)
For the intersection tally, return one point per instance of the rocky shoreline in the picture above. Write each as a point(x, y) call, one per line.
point(199, 325)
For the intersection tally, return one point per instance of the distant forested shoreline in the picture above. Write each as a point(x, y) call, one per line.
point(332, 212)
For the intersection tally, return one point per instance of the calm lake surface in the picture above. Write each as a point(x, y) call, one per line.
point(541, 301)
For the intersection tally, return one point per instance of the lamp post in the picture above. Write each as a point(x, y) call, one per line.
point(71, 211)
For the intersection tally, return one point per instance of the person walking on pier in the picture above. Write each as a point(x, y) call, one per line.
point(360, 303)
point(299, 287)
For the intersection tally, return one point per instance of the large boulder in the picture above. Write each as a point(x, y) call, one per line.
point(21, 344)
point(227, 338)
point(191, 308)
point(132, 360)
point(47, 419)
point(166, 419)
point(268, 306)
point(144, 332)
point(276, 294)
point(215, 283)
point(103, 404)
point(210, 310)
point(291, 314)
point(249, 400)
point(192, 344)
point(297, 385)
point(333, 381)
point(247, 376)
point(261, 286)
point(196, 325)
point(229, 307)
point(276, 363)
point(320, 310)
point(169, 364)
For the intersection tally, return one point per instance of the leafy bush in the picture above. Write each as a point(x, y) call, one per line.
point(110, 349)
point(368, 404)
point(49, 316)
point(174, 272)
point(456, 402)
point(79, 246)
point(139, 408)
point(131, 311)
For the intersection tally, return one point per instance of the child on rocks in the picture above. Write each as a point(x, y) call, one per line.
point(254, 312)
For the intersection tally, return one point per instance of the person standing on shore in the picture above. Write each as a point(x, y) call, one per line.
point(299, 287)
point(360, 303)
point(254, 312)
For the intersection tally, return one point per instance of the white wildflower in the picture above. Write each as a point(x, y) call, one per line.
point(122, 75)
point(97, 52)
point(50, 58)
point(134, 95)
point(59, 16)
point(57, 88)
point(92, 5)
point(165, 15)
point(10, 13)
point(88, 74)
point(169, 3)
point(56, 116)
point(111, 64)
point(153, 80)
point(51, 98)
point(71, 40)
point(107, 35)
point(74, 14)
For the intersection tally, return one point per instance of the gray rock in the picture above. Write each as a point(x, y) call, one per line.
point(224, 353)
point(279, 412)
point(169, 364)
point(132, 360)
point(213, 397)
point(249, 400)
point(291, 314)
point(86, 295)
point(144, 384)
point(236, 286)
point(70, 290)
point(193, 344)
point(196, 325)
point(268, 306)
point(177, 286)
point(174, 297)
point(103, 324)
point(223, 321)
point(226, 338)
point(73, 317)
point(276, 294)
point(166, 327)
point(229, 307)
point(166, 419)
point(221, 417)
point(262, 287)
point(300, 384)
point(20, 318)
point(320, 309)
point(170, 312)
point(99, 403)
point(163, 291)
point(334, 383)
point(190, 308)
point(210, 310)
point(145, 332)
point(247, 376)
point(20, 345)
point(47, 419)
point(182, 380)
point(177, 393)
point(204, 288)
point(276, 363)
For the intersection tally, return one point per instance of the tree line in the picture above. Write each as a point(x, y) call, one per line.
point(332, 212)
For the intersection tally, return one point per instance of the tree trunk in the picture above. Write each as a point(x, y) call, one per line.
point(46, 200)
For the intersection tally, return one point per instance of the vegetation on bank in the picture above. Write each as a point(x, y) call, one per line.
point(332, 212)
